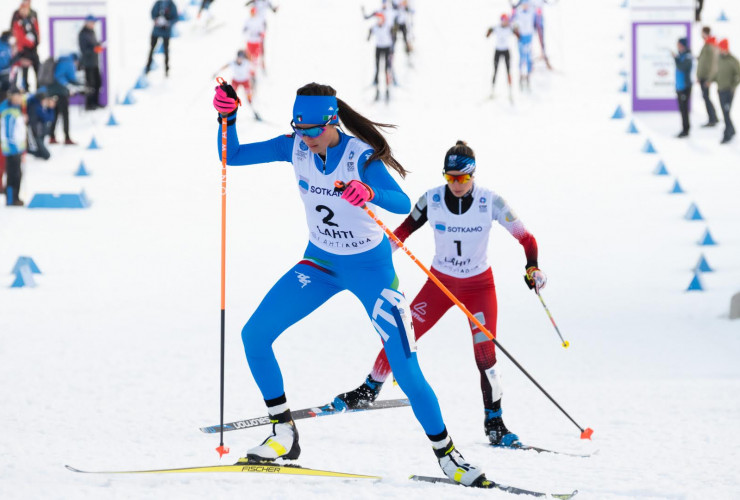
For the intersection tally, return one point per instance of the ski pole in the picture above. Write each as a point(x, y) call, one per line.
point(585, 433)
point(222, 450)
point(565, 344)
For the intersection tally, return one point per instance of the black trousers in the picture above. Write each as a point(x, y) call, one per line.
point(711, 113)
point(61, 109)
point(14, 174)
point(166, 43)
point(94, 81)
point(36, 146)
point(385, 53)
point(507, 59)
point(33, 56)
point(683, 107)
point(725, 102)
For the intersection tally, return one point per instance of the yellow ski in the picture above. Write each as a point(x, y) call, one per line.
point(291, 470)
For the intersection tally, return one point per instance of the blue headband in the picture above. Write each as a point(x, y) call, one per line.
point(315, 109)
point(461, 163)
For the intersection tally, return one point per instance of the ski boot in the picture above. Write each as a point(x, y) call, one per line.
point(282, 443)
point(497, 432)
point(362, 397)
point(457, 468)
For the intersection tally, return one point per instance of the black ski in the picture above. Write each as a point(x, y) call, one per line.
point(320, 411)
point(526, 447)
point(487, 484)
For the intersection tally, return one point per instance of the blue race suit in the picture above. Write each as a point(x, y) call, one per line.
point(368, 274)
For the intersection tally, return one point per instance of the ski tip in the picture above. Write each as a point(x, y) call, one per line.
point(587, 433)
point(69, 467)
point(222, 450)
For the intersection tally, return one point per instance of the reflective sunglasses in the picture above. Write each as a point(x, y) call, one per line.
point(462, 178)
point(311, 132)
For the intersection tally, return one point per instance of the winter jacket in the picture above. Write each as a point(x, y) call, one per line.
point(38, 115)
point(64, 73)
point(88, 40)
point(6, 56)
point(164, 15)
point(12, 130)
point(26, 31)
point(728, 72)
point(706, 64)
point(684, 62)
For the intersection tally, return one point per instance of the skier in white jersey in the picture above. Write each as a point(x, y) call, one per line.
point(503, 33)
point(346, 251)
point(254, 37)
point(259, 9)
point(539, 25)
point(243, 73)
point(461, 214)
point(523, 22)
point(383, 49)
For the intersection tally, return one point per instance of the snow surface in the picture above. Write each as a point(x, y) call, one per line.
point(112, 362)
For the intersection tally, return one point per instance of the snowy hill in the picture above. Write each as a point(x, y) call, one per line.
point(112, 362)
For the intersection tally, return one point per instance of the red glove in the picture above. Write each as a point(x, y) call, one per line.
point(357, 193)
point(98, 49)
point(225, 101)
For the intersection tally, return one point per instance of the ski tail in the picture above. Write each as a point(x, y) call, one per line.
point(319, 411)
point(488, 484)
point(258, 468)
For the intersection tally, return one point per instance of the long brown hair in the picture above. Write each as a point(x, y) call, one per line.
point(364, 129)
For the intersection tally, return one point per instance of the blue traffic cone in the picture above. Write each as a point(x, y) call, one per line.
point(695, 284)
point(693, 213)
point(621, 55)
point(624, 4)
point(129, 99)
point(703, 266)
point(623, 73)
point(722, 16)
point(25, 261)
point(624, 88)
point(112, 121)
point(706, 239)
point(648, 147)
point(660, 169)
point(676, 188)
point(632, 129)
point(141, 83)
point(93, 144)
point(618, 113)
point(81, 170)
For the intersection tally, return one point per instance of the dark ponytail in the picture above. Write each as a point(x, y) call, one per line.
point(364, 129)
point(461, 148)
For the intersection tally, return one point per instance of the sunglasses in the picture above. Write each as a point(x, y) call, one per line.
point(311, 132)
point(462, 178)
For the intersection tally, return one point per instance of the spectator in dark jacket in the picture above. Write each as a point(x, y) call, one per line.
point(65, 83)
point(684, 63)
point(90, 48)
point(164, 14)
point(40, 110)
point(6, 62)
point(706, 68)
point(26, 33)
point(728, 78)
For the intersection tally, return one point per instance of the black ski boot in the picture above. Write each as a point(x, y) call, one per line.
point(497, 432)
point(362, 397)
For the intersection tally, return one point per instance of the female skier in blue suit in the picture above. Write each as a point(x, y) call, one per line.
point(346, 251)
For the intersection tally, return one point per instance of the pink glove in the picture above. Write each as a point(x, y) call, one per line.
point(225, 100)
point(357, 193)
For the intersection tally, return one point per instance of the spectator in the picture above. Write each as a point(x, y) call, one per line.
point(6, 62)
point(40, 109)
point(90, 48)
point(706, 68)
point(26, 32)
point(727, 78)
point(65, 84)
point(164, 14)
point(13, 142)
point(684, 63)
point(699, 7)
